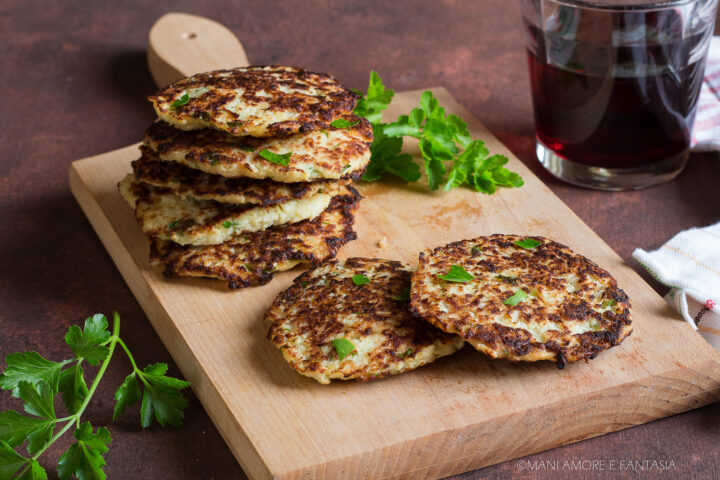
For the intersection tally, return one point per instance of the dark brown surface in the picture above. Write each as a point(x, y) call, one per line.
point(73, 82)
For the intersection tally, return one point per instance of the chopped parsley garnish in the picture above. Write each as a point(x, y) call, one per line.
point(608, 303)
point(343, 347)
point(518, 297)
point(506, 278)
point(325, 132)
point(407, 352)
point(342, 123)
point(214, 158)
point(404, 296)
point(528, 243)
point(475, 250)
point(456, 274)
point(304, 284)
point(180, 101)
point(360, 279)
point(228, 224)
point(247, 148)
point(234, 124)
point(345, 167)
point(280, 159)
point(173, 225)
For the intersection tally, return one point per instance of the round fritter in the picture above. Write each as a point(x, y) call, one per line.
point(529, 304)
point(186, 221)
point(333, 153)
point(254, 258)
point(356, 309)
point(256, 101)
point(188, 182)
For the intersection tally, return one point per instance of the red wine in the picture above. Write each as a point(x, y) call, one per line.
point(615, 107)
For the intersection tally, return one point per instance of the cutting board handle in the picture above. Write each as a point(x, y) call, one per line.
point(181, 44)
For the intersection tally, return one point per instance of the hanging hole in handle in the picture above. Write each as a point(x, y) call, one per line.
point(189, 36)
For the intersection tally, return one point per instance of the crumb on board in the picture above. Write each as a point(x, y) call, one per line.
point(382, 243)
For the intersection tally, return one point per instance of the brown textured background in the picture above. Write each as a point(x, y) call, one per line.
point(72, 84)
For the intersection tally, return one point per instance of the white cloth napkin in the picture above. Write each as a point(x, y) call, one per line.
point(706, 132)
point(690, 264)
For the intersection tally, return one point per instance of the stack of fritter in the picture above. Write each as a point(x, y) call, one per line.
point(247, 171)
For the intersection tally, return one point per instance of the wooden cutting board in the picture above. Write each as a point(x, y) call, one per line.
point(458, 414)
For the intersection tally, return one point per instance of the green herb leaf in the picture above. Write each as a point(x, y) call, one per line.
point(38, 398)
point(234, 124)
point(608, 303)
point(457, 274)
point(360, 279)
point(11, 462)
point(73, 387)
point(506, 278)
point(377, 99)
point(35, 472)
point(173, 225)
point(31, 367)
point(180, 101)
point(342, 123)
point(517, 297)
point(162, 398)
point(280, 159)
point(407, 352)
point(325, 132)
point(475, 250)
point(247, 148)
point(404, 296)
point(214, 158)
point(84, 459)
point(127, 394)
point(16, 428)
point(86, 343)
point(227, 224)
point(528, 243)
point(385, 156)
point(343, 347)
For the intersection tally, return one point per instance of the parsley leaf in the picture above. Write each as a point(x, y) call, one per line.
point(528, 243)
point(73, 387)
point(342, 123)
point(34, 472)
point(343, 347)
point(127, 394)
point(31, 367)
point(280, 159)
point(608, 303)
point(16, 428)
point(234, 124)
point(442, 138)
point(517, 297)
point(407, 352)
point(84, 459)
point(161, 397)
point(360, 279)
point(10, 461)
point(377, 99)
point(86, 343)
point(38, 398)
point(457, 274)
point(180, 101)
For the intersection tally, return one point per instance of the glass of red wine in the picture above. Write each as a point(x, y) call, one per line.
point(615, 85)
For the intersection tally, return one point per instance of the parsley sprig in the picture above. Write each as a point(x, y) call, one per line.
point(445, 145)
point(38, 382)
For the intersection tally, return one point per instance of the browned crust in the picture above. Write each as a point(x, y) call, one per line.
point(187, 181)
point(319, 302)
point(253, 257)
point(314, 112)
point(542, 267)
point(211, 148)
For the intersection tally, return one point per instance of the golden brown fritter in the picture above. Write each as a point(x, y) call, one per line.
point(188, 182)
point(361, 301)
point(256, 101)
point(255, 258)
point(186, 221)
point(568, 308)
point(321, 154)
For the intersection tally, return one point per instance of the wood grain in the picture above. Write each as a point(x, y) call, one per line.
point(460, 413)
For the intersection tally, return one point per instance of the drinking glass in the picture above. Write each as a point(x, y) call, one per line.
point(615, 85)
